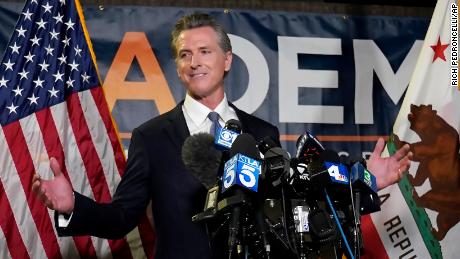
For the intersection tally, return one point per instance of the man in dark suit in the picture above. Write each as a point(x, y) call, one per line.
point(155, 170)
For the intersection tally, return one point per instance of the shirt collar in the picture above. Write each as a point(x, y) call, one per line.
point(199, 112)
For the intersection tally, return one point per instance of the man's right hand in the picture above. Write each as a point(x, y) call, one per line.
point(57, 193)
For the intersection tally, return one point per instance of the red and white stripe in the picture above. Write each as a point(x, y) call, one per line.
point(80, 134)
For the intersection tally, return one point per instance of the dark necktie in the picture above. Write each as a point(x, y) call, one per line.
point(214, 117)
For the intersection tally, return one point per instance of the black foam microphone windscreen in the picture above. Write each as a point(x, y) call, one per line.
point(201, 158)
point(234, 125)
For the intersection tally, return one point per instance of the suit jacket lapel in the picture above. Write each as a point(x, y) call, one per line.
point(177, 129)
point(242, 117)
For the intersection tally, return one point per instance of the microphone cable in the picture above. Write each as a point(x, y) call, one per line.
point(338, 224)
point(285, 224)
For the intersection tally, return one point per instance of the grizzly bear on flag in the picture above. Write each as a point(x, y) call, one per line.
point(438, 155)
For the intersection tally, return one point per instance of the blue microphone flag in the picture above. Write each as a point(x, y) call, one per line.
point(224, 138)
point(243, 171)
point(337, 172)
point(361, 174)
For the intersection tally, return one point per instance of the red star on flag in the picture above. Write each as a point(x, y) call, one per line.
point(439, 50)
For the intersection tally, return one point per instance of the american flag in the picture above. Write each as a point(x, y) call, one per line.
point(52, 105)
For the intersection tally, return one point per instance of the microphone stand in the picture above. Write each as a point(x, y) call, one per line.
point(233, 229)
point(357, 231)
point(356, 206)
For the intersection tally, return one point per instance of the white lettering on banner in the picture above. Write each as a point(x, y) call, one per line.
point(291, 78)
point(259, 77)
point(369, 58)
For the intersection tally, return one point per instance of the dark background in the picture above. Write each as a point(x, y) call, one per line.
point(369, 7)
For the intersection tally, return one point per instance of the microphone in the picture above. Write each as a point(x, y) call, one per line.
point(244, 167)
point(308, 147)
point(276, 165)
point(365, 198)
point(318, 170)
point(306, 164)
point(225, 136)
point(323, 171)
point(201, 158)
point(317, 166)
point(338, 172)
point(233, 125)
point(242, 170)
point(266, 144)
point(364, 182)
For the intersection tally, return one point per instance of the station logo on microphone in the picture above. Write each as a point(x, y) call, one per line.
point(243, 171)
point(225, 138)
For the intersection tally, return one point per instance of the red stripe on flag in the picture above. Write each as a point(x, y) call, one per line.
point(145, 228)
point(373, 246)
point(96, 177)
point(10, 229)
point(54, 148)
point(23, 161)
point(99, 99)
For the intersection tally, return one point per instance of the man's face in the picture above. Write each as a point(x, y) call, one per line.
point(201, 62)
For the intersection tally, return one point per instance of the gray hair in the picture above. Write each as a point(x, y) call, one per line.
point(197, 20)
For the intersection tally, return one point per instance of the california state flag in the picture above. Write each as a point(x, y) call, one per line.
point(420, 216)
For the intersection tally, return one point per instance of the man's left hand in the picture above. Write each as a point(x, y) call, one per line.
point(389, 170)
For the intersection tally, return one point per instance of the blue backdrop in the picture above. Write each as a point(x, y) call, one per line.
point(341, 77)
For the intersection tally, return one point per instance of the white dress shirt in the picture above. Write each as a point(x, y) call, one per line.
point(196, 114)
